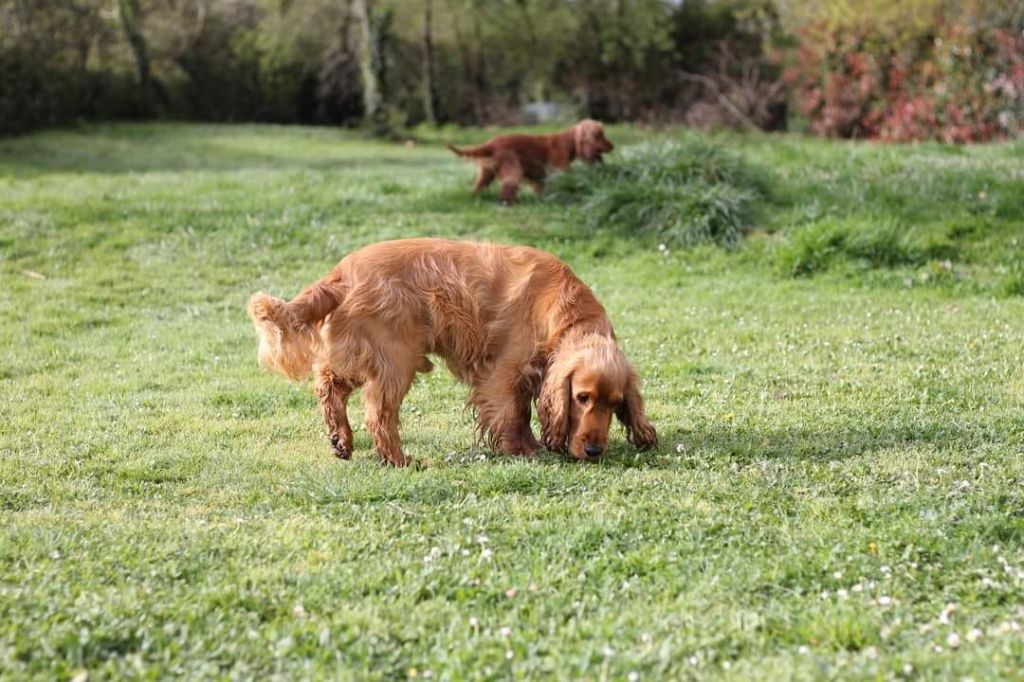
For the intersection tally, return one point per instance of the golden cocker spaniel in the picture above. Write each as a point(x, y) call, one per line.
point(512, 322)
point(511, 159)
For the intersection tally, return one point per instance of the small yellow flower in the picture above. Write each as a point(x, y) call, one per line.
point(873, 548)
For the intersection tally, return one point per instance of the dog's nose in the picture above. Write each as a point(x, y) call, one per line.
point(593, 449)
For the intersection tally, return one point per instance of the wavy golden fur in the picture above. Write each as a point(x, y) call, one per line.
point(512, 159)
point(512, 322)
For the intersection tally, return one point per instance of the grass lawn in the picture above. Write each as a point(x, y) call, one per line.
point(838, 492)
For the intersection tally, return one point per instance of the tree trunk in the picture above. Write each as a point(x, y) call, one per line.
point(128, 12)
point(369, 63)
point(479, 68)
point(430, 99)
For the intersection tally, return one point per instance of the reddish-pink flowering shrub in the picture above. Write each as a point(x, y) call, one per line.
point(961, 81)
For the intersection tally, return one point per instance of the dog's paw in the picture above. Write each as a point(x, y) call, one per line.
point(645, 437)
point(341, 450)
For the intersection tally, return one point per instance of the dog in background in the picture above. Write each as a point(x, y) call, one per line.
point(512, 322)
point(512, 159)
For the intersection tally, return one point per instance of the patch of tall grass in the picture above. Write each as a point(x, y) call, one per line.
point(883, 243)
point(681, 192)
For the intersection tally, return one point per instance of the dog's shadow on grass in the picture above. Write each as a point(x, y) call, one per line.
point(729, 443)
point(726, 442)
point(483, 473)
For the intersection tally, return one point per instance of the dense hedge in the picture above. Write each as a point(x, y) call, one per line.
point(959, 79)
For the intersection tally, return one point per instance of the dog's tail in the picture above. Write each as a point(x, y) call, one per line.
point(288, 331)
point(477, 152)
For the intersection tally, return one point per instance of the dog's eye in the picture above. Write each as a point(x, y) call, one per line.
point(583, 398)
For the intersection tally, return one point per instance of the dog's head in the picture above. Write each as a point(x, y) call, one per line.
point(591, 144)
point(587, 382)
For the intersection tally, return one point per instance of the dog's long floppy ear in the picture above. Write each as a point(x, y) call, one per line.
point(553, 404)
point(583, 139)
point(631, 413)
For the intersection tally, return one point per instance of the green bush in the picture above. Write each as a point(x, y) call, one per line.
point(1013, 284)
point(682, 192)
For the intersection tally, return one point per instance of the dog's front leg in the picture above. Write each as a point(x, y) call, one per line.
point(503, 407)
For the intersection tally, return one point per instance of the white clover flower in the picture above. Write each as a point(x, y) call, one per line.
point(974, 635)
point(486, 554)
point(505, 631)
point(608, 651)
point(884, 600)
point(953, 640)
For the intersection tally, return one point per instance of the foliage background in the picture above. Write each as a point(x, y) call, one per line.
point(897, 71)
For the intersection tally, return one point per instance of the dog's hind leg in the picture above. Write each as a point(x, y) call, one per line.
point(484, 177)
point(383, 395)
point(511, 174)
point(383, 401)
point(333, 392)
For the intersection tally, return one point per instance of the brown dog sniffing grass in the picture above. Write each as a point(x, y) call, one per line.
point(512, 159)
point(512, 322)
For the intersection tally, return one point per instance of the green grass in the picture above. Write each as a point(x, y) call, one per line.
point(841, 448)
